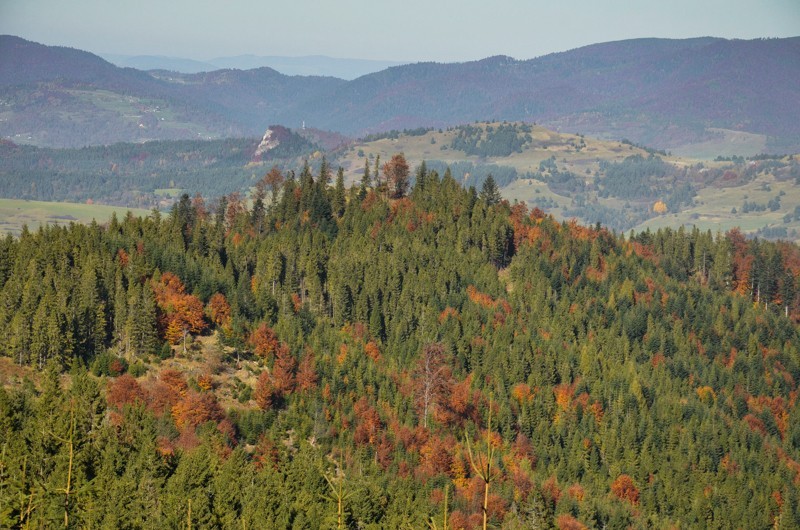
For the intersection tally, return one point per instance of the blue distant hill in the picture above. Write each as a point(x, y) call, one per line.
point(658, 92)
point(306, 65)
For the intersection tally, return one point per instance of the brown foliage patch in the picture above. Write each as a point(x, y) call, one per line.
point(625, 489)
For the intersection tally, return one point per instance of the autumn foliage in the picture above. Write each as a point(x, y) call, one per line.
point(196, 408)
point(263, 341)
point(283, 371)
point(264, 392)
point(276, 384)
point(369, 423)
point(166, 391)
point(567, 522)
point(180, 313)
point(306, 372)
point(397, 364)
point(396, 173)
point(124, 390)
point(219, 310)
point(624, 488)
point(372, 351)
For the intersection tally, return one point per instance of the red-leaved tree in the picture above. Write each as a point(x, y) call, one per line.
point(124, 390)
point(396, 173)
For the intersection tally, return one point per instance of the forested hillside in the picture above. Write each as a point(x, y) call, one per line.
point(395, 357)
point(141, 175)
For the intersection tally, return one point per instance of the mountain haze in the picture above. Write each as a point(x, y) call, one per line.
point(159, 62)
point(655, 91)
point(659, 92)
point(342, 68)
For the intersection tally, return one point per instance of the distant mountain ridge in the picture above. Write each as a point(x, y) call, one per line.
point(343, 68)
point(159, 62)
point(647, 90)
point(659, 92)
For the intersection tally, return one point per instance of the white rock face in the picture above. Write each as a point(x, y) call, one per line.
point(267, 143)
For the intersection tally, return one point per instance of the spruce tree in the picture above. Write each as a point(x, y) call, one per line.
point(141, 326)
point(490, 194)
point(324, 172)
point(366, 179)
point(422, 175)
point(338, 200)
point(258, 212)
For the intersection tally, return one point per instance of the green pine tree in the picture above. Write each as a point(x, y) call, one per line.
point(338, 199)
point(490, 194)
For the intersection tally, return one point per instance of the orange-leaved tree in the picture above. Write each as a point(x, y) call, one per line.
point(274, 385)
point(263, 341)
point(306, 372)
point(180, 313)
point(196, 408)
point(624, 488)
point(219, 310)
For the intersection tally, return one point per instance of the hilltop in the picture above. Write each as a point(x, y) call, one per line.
point(342, 68)
point(342, 358)
point(615, 183)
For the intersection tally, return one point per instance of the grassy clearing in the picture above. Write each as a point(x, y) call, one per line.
point(205, 357)
point(14, 214)
point(169, 193)
point(535, 193)
point(724, 143)
point(142, 112)
point(713, 208)
point(435, 145)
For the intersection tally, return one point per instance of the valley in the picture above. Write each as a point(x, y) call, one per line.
point(566, 175)
point(16, 214)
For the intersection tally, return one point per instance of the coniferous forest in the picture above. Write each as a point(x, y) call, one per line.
point(394, 356)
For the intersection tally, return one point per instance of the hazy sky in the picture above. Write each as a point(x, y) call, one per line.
point(405, 30)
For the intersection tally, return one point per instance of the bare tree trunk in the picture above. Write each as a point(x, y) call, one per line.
point(67, 491)
point(484, 469)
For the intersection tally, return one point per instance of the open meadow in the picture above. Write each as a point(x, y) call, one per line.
point(14, 214)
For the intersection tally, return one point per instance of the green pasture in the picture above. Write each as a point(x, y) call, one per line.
point(15, 213)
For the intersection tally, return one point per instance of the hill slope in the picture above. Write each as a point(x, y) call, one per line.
point(365, 350)
point(621, 185)
point(615, 183)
